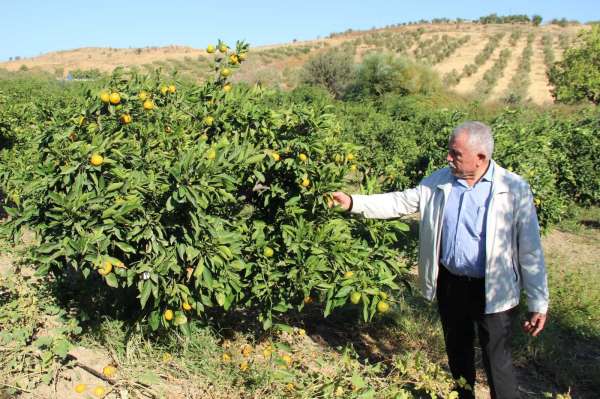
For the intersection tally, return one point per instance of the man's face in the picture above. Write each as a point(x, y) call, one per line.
point(463, 160)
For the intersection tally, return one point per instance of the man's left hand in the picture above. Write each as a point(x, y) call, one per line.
point(535, 324)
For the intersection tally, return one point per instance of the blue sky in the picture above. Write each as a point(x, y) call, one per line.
point(32, 27)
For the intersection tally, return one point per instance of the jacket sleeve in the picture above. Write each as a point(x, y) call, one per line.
point(530, 254)
point(387, 206)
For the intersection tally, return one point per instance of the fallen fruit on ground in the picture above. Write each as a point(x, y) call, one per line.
point(109, 371)
point(80, 388)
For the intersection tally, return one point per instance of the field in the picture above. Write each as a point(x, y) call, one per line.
point(446, 47)
point(168, 233)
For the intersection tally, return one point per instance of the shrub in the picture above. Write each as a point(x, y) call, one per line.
point(332, 69)
point(577, 76)
point(383, 73)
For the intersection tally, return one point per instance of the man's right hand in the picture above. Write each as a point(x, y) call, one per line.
point(340, 199)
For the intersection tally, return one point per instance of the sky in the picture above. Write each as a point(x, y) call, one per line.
point(32, 27)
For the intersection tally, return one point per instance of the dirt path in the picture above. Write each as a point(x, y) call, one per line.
point(468, 84)
point(539, 90)
point(499, 91)
point(464, 55)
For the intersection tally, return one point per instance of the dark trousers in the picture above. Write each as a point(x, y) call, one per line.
point(461, 303)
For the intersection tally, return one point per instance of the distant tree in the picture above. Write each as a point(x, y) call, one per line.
point(536, 20)
point(383, 73)
point(333, 70)
point(577, 76)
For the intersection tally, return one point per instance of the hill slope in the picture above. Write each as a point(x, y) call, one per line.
point(447, 47)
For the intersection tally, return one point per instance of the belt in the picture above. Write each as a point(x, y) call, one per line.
point(447, 272)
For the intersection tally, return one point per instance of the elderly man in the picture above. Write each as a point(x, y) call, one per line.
point(479, 243)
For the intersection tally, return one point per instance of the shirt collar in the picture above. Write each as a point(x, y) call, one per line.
point(488, 175)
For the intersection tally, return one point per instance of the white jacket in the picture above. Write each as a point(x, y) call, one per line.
point(514, 256)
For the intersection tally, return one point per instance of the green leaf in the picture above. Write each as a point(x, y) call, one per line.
point(61, 347)
point(114, 186)
point(154, 320)
point(344, 291)
point(145, 294)
point(124, 246)
point(111, 280)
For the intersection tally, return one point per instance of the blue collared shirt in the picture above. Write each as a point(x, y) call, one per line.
point(463, 227)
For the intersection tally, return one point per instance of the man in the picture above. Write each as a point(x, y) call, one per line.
point(479, 243)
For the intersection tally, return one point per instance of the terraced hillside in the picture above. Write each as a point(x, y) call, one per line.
point(504, 61)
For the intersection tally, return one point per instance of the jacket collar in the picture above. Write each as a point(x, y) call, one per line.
point(499, 179)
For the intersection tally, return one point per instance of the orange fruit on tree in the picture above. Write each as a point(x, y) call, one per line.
point(268, 252)
point(143, 95)
point(233, 58)
point(126, 118)
point(211, 154)
point(105, 96)
point(115, 98)
point(350, 157)
point(80, 388)
point(242, 56)
point(226, 357)
point(305, 182)
point(308, 300)
point(227, 87)
point(164, 90)
point(96, 159)
point(225, 72)
point(275, 156)
point(172, 89)
point(210, 49)
point(208, 120)
point(168, 315)
point(382, 306)
point(349, 274)
point(148, 105)
point(353, 168)
point(223, 48)
point(106, 268)
point(186, 306)
point(355, 297)
point(303, 157)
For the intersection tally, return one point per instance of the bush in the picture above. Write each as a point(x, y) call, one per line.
point(383, 73)
point(332, 69)
point(577, 76)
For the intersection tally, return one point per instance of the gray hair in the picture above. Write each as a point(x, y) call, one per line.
point(480, 136)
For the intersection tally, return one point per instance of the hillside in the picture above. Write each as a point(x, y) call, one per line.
point(448, 48)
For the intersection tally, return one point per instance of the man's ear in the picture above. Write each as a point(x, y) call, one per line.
point(481, 157)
